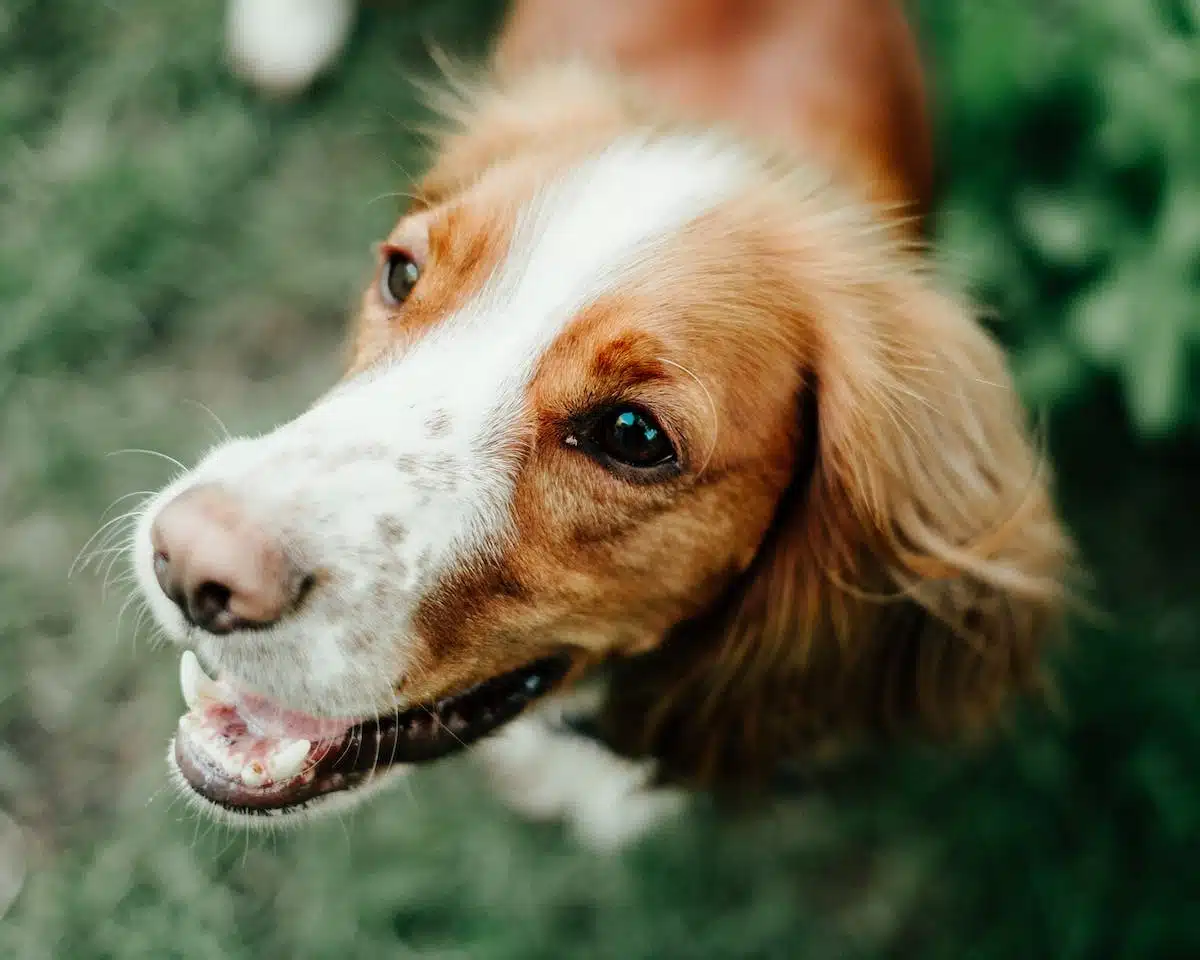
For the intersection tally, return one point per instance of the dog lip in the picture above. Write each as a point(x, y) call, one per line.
point(368, 748)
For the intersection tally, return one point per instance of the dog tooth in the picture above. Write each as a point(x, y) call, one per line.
point(189, 723)
point(197, 686)
point(253, 774)
point(231, 765)
point(288, 760)
point(218, 751)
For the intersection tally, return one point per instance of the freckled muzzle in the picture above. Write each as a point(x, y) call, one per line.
point(223, 753)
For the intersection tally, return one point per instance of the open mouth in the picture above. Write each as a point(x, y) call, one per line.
point(245, 754)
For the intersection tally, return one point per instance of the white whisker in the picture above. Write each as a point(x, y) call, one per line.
point(79, 562)
point(711, 406)
point(219, 422)
point(148, 453)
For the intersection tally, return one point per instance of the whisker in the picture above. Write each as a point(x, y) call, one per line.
point(148, 453)
point(219, 422)
point(115, 554)
point(129, 601)
point(128, 576)
point(143, 610)
point(395, 195)
point(711, 405)
point(107, 525)
point(126, 496)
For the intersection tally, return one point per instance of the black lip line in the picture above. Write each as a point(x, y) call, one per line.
point(419, 735)
point(429, 732)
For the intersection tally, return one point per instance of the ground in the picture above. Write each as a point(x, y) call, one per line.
point(169, 243)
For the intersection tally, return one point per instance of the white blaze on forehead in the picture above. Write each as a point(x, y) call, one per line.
point(572, 243)
point(577, 237)
point(364, 486)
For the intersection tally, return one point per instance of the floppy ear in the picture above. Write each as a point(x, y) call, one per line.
point(914, 567)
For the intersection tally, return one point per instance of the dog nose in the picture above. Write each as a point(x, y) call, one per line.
point(221, 570)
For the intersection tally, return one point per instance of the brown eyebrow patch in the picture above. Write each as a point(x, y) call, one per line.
point(628, 360)
point(465, 242)
point(621, 354)
point(466, 238)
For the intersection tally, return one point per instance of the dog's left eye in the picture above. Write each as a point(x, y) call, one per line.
point(400, 274)
point(632, 437)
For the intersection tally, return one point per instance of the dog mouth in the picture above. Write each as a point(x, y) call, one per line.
point(246, 754)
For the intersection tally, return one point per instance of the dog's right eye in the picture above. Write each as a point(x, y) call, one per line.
point(400, 274)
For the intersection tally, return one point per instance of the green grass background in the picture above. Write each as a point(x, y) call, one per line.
point(166, 238)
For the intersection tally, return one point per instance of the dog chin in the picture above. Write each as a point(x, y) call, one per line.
point(293, 816)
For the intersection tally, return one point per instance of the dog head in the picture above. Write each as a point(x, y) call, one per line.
point(620, 388)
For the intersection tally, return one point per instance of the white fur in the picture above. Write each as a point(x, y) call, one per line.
point(544, 771)
point(364, 458)
point(281, 46)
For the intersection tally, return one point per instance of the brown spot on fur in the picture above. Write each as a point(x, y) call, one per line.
point(438, 425)
point(391, 531)
point(360, 642)
point(438, 474)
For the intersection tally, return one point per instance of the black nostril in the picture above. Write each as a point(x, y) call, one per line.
point(221, 570)
point(208, 607)
point(307, 583)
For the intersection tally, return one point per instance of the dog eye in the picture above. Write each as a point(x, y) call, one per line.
point(632, 437)
point(400, 275)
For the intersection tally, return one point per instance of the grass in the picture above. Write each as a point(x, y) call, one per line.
point(167, 240)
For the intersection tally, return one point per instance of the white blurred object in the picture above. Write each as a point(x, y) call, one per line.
point(12, 861)
point(545, 772)
point(282, 46)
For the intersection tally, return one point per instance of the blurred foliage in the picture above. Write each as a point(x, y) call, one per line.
point(166, 236)
point(133, 164)
point(1071, 143)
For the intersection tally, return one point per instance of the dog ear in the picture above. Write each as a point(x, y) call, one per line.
point(914, 568)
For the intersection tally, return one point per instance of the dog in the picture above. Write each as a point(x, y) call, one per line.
point(661, 460)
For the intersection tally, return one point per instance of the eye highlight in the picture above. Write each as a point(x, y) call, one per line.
point(399, 275)
point(627, 438)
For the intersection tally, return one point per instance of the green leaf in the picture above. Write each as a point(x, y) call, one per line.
point(1066, 229)
point(1102, 320)
point(1154, 373)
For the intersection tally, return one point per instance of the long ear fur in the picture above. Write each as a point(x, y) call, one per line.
point(913, 571)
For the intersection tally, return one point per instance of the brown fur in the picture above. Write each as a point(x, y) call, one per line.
point(911, 576)
point(466, 241)
point(861, 537)
point(840, 77)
